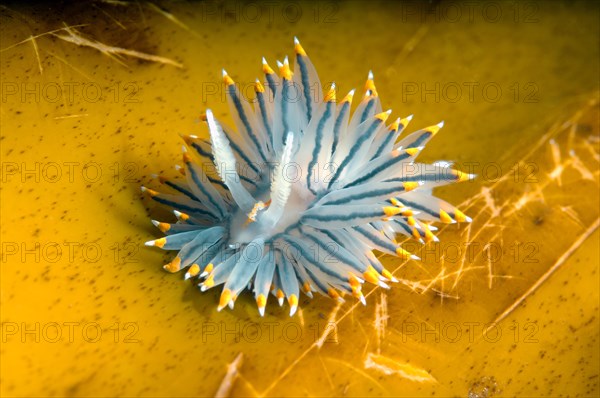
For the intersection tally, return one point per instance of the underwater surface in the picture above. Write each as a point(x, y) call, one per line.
point(95, 96)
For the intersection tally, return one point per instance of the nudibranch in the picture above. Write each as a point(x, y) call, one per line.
point(302, 194)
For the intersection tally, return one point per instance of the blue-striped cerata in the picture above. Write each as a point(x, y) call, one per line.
point(299, 195)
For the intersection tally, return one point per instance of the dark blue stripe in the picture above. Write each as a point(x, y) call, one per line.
point(353, 263)
point(377, 170)
point(390, 135)
point(424, 177)
point(179, 228)
point(315, 261)
point(218, 182)
point(367, 109)
point(417, 206)
point(248, 180)
point(210, 253)
point(363, 195)
point(359, 143)
point(403, 226)
point(271, 83)
point(286, 279)
point(338, 125)
point(305, 86)
point(375, 239)
point(318, 143)
point(263, 113)
point(420, 140)
point(180, 189)
point(316, 281)
point(186, 209)
point(202, 152)
point(343, 217)
point(242, 154)
point(240, 110)
point(284, 105)
point(209, 155)
point(200, 186)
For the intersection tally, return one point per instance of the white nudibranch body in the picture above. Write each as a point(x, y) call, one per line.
point(302, 194)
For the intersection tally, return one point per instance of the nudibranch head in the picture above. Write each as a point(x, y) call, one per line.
point(302, 194)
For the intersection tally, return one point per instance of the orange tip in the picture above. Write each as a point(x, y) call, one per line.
point(461, 176)
point(225, 299)
point(371, 275)
point(360, 296)
point(298, 47)
point(227, 79)
point(383, 116)
point(208, 283)
point(370, 85)
point(164, 227)
point(388, 275)
point(293, 301)
point(434, 129)
point(194, 270)
point(412, 151)
point(445, 217)
point(406, 212)
point(404, 122)
point(261, 303)
point(348, 97)
point(258, 87)
point(400, 252)
point(460, 216)
point(180, 215)
point(354, 281)
point(266, 68)
point(416, 234)
point(429, 236)
point(306, 288)
point(149, 191)
point(173, 266)
point(391, 211)
point(285, 71)
point(330, 96)
point(160, 242)
point(410, 185)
